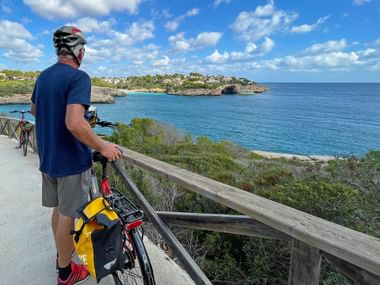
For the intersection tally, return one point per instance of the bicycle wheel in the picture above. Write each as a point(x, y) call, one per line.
point(25, 142)
point(141, 273)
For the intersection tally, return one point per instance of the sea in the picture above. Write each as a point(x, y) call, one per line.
point(335, 119)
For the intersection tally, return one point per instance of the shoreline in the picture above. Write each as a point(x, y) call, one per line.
point(310, 158)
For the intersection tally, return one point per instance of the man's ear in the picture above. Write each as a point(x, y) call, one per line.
point(81, 54)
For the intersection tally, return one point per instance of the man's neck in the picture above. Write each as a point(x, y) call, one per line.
point(68, 61)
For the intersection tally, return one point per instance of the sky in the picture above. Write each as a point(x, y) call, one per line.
point(264, 41)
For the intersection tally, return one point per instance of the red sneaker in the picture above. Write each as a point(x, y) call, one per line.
point(78, 275)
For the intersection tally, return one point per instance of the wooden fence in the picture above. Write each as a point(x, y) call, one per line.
point(354, 254)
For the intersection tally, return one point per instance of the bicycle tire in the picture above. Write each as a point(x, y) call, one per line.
point(25, 143)
point(141, 273)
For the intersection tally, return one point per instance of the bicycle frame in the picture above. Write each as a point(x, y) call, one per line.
point(106, 190)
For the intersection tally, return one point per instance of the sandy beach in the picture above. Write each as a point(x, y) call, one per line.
point(311, 158)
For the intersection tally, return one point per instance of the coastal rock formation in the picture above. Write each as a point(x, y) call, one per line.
point(251, 88)
point(105, 94)
point(196, 92)
point(16, 99)
point(98, 95)
point(148, 90)
point(225, 89)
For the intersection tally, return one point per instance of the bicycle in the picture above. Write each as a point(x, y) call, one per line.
point(131, 218)
point(23, 130)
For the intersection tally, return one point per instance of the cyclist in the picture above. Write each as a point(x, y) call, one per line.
point(60, 100)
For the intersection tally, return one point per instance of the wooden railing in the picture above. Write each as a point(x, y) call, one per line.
point(354, 254)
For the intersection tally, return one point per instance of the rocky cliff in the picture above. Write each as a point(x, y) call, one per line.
point(98, 95)
point(105, 94)
point(225, 89)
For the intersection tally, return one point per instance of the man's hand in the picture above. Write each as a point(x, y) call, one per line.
point(111, 151)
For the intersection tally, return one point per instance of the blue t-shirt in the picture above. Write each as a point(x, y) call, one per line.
point(61, 154)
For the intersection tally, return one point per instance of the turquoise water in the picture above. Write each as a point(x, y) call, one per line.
point(299, 118)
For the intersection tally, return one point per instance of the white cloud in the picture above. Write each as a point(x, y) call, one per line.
point(305, 28)
point(202, 40)
point(136, 33)
point(165, 61)
point(218, 2)
point(267, 46)
point(264, 21)
point(217, 57)
point(327, 47)
point(14, 39)
point(325, 61)
point(89, 24)
point(206, 39)
point(120, 55)
point(174, 24)
point(75, 8)
point(29, 54)
point(368, 52)
point(250, 51)
point(141, 31)
point(360, 2)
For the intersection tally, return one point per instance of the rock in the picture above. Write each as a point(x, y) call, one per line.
point(105, 94)
point(16, 99)
point(251, 89)
point(146, 90)
point(196, 92)
point(98, 95)
point(225, 89)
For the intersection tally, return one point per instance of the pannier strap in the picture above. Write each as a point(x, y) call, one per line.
point(89, 210)
point(77, 233)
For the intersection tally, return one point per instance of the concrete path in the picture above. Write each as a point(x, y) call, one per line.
point(27, 251)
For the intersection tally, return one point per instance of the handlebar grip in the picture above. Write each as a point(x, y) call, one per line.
point(105, 124)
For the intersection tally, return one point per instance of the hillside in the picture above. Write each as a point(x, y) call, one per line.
point(194, 84)
point(16, 87)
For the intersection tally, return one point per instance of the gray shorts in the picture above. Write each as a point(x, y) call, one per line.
point(66, 193)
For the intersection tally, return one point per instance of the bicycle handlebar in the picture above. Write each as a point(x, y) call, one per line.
point(106, 124)
point(21, 112)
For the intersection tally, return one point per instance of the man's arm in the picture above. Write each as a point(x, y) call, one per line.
point(81, 130)
point(33, 109)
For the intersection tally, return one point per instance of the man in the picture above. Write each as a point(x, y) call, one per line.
point(60, 99)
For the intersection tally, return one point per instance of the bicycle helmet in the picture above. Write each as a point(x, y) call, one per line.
point(69, 38)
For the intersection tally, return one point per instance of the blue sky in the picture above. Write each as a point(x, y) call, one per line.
point(264, 41)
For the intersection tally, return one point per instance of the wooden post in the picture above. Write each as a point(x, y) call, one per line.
point(2, 127)
point(305, 264)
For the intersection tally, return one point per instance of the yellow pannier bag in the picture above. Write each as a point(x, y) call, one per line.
point(98, 238)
